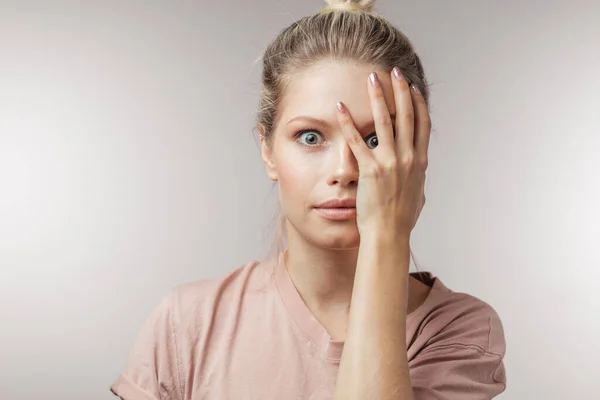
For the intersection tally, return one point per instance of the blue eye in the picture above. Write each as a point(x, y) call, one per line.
point(309, 137)
point(372, 141)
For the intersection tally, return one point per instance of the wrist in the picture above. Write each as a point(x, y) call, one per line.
point(384, 250)
point(383, 237)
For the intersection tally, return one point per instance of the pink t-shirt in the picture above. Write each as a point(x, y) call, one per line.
point(249, 336)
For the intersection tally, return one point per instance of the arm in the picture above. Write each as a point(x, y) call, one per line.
point(389, 199)
point(374, 363)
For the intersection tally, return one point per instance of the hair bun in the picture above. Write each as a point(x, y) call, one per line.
point(350, 5)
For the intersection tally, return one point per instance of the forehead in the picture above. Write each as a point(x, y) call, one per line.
point(315, 91)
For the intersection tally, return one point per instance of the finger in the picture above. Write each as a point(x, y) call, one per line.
point(422, 128)
point(384, 127)
point(353, 137)
point(405, 116)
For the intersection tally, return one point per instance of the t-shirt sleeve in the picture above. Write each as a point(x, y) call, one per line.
point(457, 372)
point(464, 360)
point(152, 370)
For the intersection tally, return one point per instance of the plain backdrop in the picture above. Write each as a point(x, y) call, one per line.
point(129, 164)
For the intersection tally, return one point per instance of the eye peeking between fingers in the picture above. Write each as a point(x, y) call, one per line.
point(372, 140)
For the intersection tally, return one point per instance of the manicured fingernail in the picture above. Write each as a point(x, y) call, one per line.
point(374, 79)
point(341, 107)
point(398, 74)
point(415, 89)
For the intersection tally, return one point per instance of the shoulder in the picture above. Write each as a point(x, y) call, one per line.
point(196, 298)
point(162, 354)
point(198, 306)
point(457, 341)
point(450, 318)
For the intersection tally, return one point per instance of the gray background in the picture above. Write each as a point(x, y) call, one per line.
point(128, 165)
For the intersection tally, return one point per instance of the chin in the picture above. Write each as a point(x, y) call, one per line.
point(338, 236)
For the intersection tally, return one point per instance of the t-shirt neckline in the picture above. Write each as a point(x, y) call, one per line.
point(303, 317)
point(308, 324)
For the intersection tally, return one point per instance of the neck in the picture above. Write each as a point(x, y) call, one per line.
point(324, 278)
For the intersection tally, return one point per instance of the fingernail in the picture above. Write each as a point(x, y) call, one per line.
point(341, 108)
point(398, 74)
point(415, 89)
point(374, 79)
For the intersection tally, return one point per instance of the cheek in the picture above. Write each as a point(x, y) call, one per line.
point(294, 179)
point(298, 175)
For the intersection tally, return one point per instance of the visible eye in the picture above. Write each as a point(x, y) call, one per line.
point(309, 137)
point(372, 141)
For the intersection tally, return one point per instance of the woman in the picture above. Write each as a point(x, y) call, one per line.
point(349, 199)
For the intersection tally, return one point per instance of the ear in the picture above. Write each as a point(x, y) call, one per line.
point(266, 152)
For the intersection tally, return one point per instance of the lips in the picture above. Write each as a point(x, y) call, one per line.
point(338, 203)
point(338, 209)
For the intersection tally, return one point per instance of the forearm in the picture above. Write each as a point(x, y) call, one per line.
point(374, 364)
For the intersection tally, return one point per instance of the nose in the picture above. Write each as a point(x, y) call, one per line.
point(344, 167)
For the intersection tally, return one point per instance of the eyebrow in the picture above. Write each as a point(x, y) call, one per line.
point(323, 123)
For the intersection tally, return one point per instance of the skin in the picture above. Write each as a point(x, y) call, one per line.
point(364, 259)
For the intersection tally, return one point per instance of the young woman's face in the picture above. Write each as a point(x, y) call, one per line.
point(309, 156)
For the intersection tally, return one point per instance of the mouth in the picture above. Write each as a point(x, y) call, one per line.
point(337, 209)
point(338, 203)
point(337, 214)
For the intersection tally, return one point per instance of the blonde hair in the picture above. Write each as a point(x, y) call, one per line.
point(342, 30)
